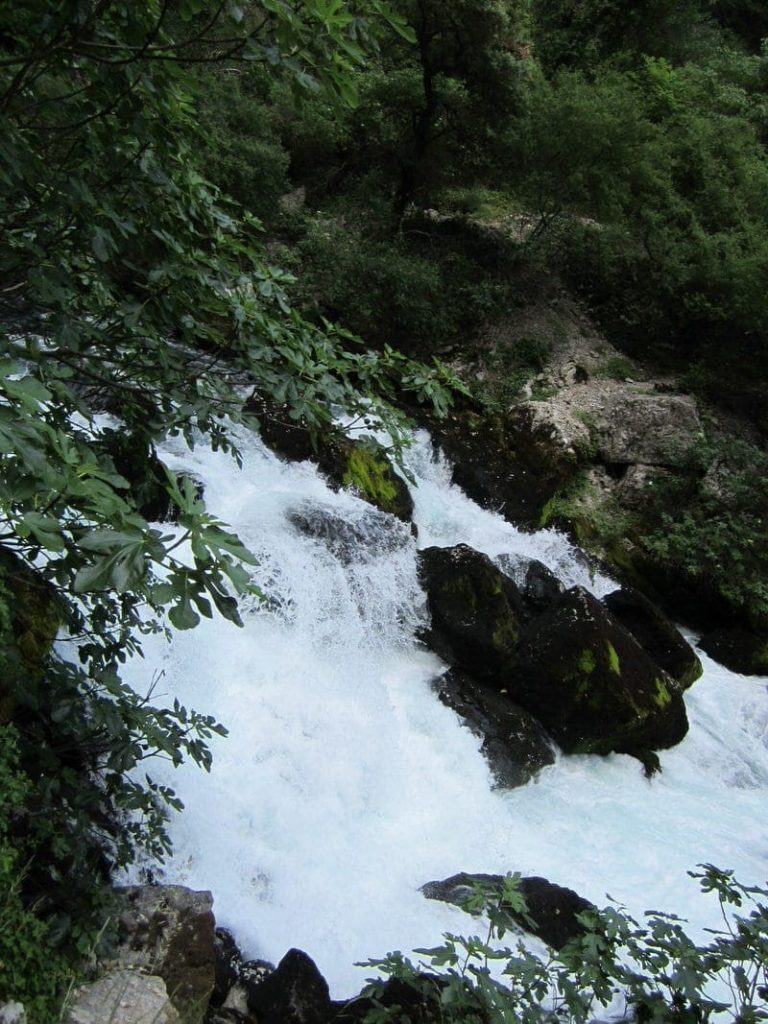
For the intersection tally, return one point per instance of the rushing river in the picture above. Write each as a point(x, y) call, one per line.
point(345, 784)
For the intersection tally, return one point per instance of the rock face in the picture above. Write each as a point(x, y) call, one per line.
point(510, 463)
point(296, 993)
point(373, 535)
point(514, 743)
point(169, 931)
point(660, 639)
point(737, 649)
point(476, 610)
point(591, 684)
point(651, 429)
point(123, 997)
point(551, 913)
point(361, 465)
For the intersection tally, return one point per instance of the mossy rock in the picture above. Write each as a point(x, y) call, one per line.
point(476, 611)
point(659, 637)
point(360, 465)
point(591, 684)
point(30, 618)
point(505, 462)
point(738, 649)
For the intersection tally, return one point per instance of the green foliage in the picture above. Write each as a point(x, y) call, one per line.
point(32, 970)
point(652, 971)
point(133, 286)
point(714, 530)
point(658, 182)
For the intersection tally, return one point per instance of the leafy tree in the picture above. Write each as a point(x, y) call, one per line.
point(431, 110)
point(131, 286)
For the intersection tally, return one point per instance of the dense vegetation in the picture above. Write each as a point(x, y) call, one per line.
point(192, 194)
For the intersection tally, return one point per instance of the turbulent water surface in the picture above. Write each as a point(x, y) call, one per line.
point(345, 784)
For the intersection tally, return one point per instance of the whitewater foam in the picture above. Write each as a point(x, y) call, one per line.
point(345, 784)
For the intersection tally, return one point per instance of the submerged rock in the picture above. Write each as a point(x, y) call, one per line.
point(170, 930)
point(371, 535)
point(658, 637)
point(123, 997)
point(295, 993)
point(551, 910)
point(476, 611)
point(591, 684)
point(361, 465)
point(514, 743)
point(737, 649)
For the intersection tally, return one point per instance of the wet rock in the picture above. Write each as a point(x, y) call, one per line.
point(590, 683)
point(123, 997)
point(170, 930)
point(228, 961)
point(407, 1002)
point(738, 649)
point(651, 428)
point(295, 993)
point(658, 637)
point(552, 910)
point(475, 609)
point(362, 465)
point(372, 535)
point(541, 587)
point(227, 1015)
point(510, 463)
point(514, 743)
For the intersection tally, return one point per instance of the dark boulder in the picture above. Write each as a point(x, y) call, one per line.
point(551, 910)
point(228, 963)
point(738, 649)
point(359, 464)
point(170, 931)
point(295, 993)
point(416, 1002)
point(505, 462)
point(514, 743)
point(590, 683)
point(541, 588)
point(475, 609)
point(658, 637)
point(372, 535)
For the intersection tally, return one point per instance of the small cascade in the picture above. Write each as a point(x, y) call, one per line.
point(345, 784)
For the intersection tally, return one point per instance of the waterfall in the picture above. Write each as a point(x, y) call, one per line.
point(344, 783)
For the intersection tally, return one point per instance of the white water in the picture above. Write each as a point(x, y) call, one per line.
point(345, 784)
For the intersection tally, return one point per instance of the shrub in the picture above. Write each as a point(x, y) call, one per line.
point(654, 972)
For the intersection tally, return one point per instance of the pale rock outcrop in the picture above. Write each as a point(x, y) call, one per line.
point(123, 997)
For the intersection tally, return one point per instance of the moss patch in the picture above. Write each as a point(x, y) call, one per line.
point(587, 662)
point(613, 659)
point(663, 697)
